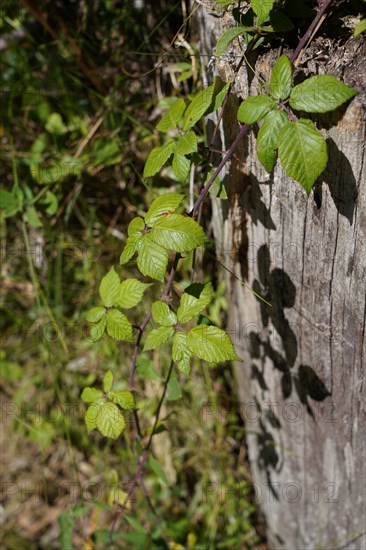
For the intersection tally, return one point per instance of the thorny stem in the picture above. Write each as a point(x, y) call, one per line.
point(317, 21)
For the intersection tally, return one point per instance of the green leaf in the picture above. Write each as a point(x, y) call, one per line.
point(227, 37)
point(9, 202)
point(361, 27)
point(281, 78)
point(173, 116)
point(254, 108)
point(108, 381)
point(32, 217)
point(187, 143)
point(217, 189)
point(135, 226)
point(163, 315)
point(118, 326)
point(195, 299)
point(89, 395)
point(123, 398)
point(197, 108)
point(320, 94)
point(146, 369)
point(174, 391)
point(219, 98)
point(268, 137)
point(303, 152)
point(50, 200)
point(130, 248)
point(262, 8)
point(157, 469)
point(131, 292)
point(211, 344)
point(157, 158)
point(92, 414)
point(109, 288)
point(95, 314)
point(178, 233)
point(152, 260)
point(157, 337)
point(181, 354)
point(181, 166)
point(97, 330)
point(55, 125)
point(278, 22)
point(136, 525)
point(110, 421)
point(161, 206)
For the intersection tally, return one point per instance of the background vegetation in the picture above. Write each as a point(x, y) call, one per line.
point(83, 85)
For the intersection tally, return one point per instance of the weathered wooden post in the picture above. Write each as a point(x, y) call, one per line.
point(302, 384)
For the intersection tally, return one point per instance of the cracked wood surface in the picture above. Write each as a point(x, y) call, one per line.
point(302, 381)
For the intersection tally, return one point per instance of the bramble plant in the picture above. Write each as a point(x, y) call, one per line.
point(167, 232)
point(300, 146)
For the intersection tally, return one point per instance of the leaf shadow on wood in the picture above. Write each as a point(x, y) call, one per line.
point(276, 287)
point(341, 181)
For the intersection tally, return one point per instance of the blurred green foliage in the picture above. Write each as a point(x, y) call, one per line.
point(79, 102)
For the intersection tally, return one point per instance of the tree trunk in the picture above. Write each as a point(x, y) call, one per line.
point(302, 379)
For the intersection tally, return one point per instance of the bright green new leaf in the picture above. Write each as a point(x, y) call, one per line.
point(32, 217)
point(108, 381)
point(157, 337)
point(197, 108)
point(268, 136)
point(174, 391)
point(157, 469)
point(281, 78)
point(303, 152)
point(135, 226)
point(152, 260)
point(97, 329)
point(95, 314)
point(130, 248)
point(109, 288)
point(254, 108)
point(131, 292)
point(161, 206)
point(173, 116)
point(89, 395)
point(118, 326)
point(92, 414)
point(320, 94)
point(157, 158)
point(262, 9)
point(227, 37)
point(187, 143)
point(181, 354)
point(194, 299)
point(181, 166)
point(163, 315)
point(110, 421)
point(178, 233)
point(211, 344)
point(123, 398)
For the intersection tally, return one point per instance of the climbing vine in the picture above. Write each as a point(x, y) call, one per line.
point(168, 233)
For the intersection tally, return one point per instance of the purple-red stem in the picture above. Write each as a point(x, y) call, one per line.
point(322, 9)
